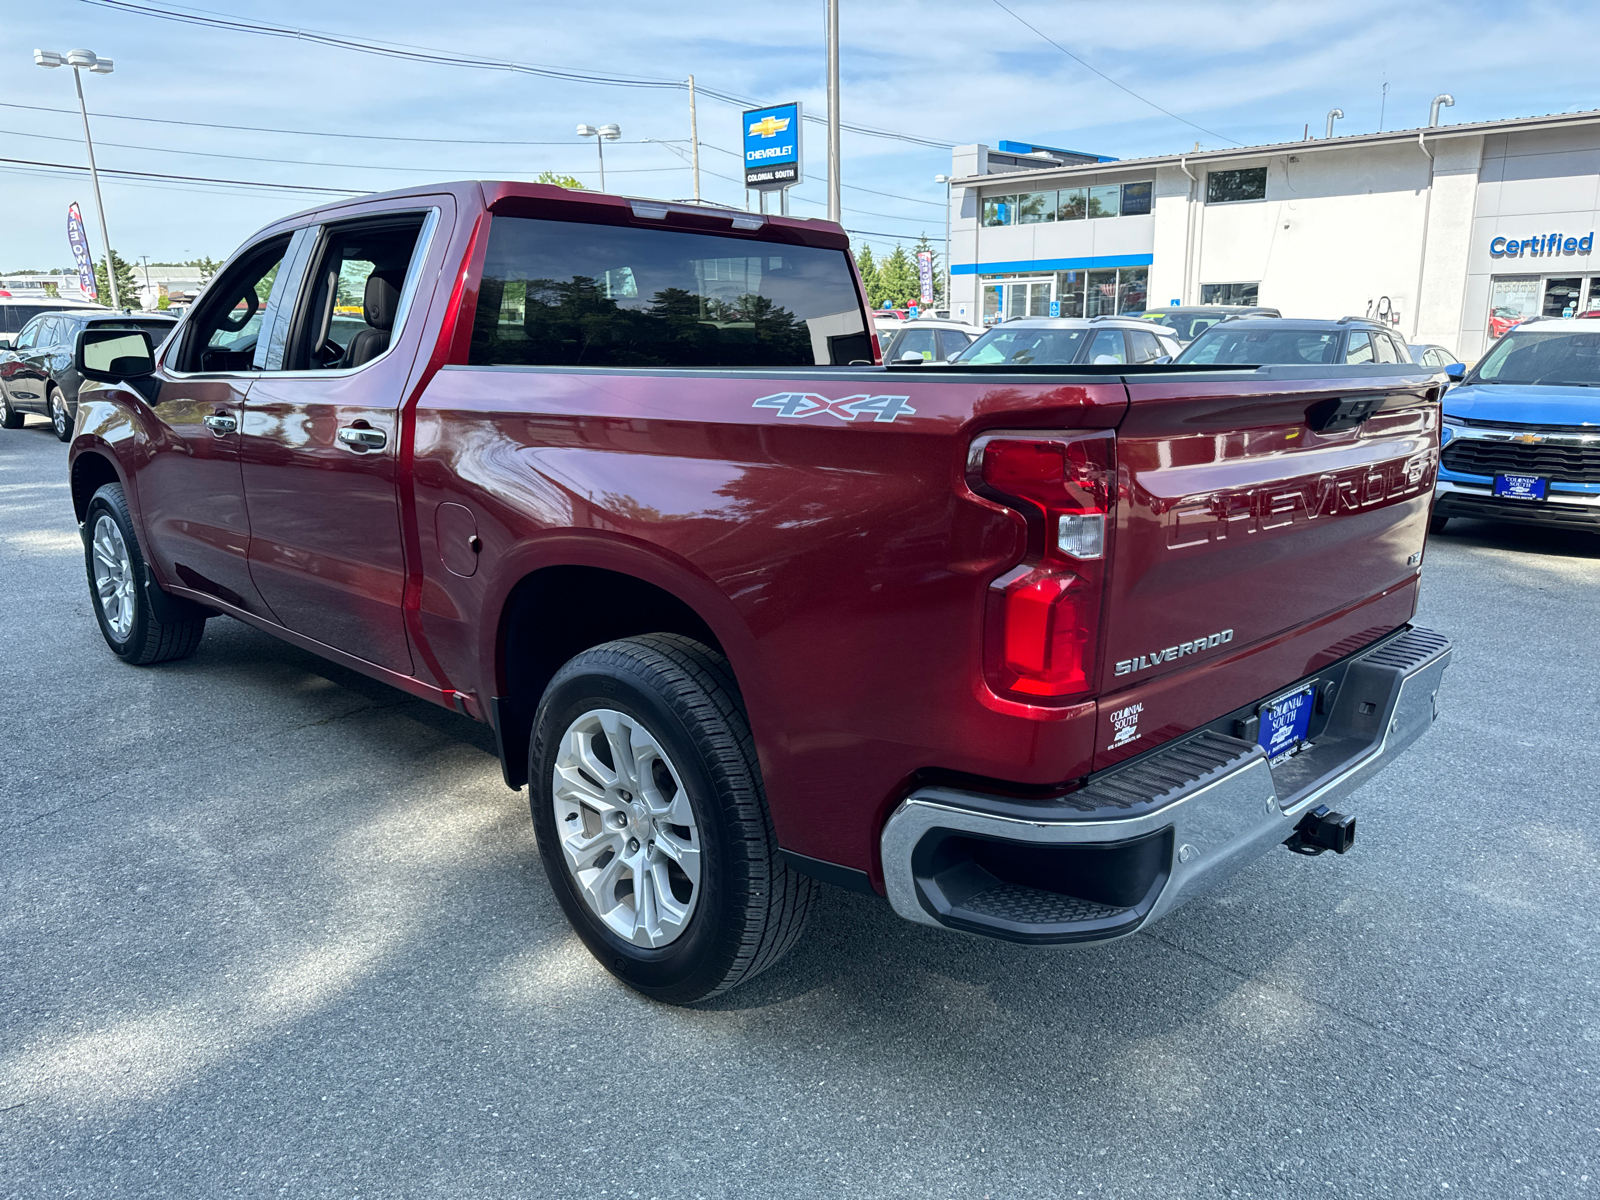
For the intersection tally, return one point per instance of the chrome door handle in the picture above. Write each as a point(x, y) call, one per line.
point(220, 423)
point(363, 439)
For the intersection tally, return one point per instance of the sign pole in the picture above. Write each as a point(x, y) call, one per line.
point(835, 210)
point(99, 204)
point(694, 140)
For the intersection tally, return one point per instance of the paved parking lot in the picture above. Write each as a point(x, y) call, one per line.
point(271, 929)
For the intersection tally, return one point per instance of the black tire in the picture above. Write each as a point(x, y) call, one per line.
point(11, 417)
point(148, 639)
point(1437, 522)
point(60, 418)
point(750, 907)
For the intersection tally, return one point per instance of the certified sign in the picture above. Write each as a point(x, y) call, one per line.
point(772, 147)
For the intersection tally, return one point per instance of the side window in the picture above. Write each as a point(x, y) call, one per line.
point(1107, 347)
point(1383, 348)
point(227, 322)
point(10, 318)
point(354, 292)
point(55, 331)
point(1359, 348)
point(1143, 346)
point(30, 332)
point(915, 341)
point(565, 293)
point(952, 342)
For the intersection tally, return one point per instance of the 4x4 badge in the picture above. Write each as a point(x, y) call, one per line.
point(809, 404)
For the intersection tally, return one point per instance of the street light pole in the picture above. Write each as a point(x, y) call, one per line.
point(78, 59)
point(601, 135)
point(835, 209)
point(694, 141)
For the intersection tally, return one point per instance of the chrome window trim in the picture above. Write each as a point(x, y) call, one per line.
point(408, 290)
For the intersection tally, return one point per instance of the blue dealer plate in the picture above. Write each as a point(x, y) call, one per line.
point(1285, 722)
point(1521, 487)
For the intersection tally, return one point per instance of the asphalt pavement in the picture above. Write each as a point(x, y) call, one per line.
point(268, 928)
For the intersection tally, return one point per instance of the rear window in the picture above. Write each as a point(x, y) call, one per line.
point(157, 329)
point(561, 293)
point(1262, 347)
point(1025, 346)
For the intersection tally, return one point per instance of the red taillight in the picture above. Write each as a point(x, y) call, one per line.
point(1044, 616)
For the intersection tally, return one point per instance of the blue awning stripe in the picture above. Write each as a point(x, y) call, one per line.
point(1052, 264)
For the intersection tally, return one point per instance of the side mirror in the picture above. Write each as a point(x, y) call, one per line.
point(1455, 372)
point(911, 356)
point(1165, 358)
point(114, 355)
point(7, 340)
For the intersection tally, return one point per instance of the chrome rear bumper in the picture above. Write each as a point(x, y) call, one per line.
point(1140, 838)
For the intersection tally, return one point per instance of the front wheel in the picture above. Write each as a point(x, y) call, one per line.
point(60, 419)
point(117, 588)
point(652, 822)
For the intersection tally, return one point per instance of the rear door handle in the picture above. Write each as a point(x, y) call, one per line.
point(363, 439)
point(221, 423)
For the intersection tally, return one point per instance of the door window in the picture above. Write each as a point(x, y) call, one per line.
point(1107, 347)
point(223, 332)
point(1359, 348)
point(354, 293)
point(1383, 349)
point(1142, 346)
point(27, 339)
point(952, 342)
point(915, 342)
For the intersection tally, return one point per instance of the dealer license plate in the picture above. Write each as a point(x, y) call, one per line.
point(1521, 487)
point(1285, 722)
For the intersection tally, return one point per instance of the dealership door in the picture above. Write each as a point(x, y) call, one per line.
point(1014, 298)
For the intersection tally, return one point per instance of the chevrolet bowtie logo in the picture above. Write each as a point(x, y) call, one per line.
point(1530, 439)
point(768, 126)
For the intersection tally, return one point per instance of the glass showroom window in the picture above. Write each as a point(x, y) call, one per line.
point(1072, 204)
point(1230, 187)
point(1230, 293)
point(1105, 201)
point(999, 210)
point(1035, 207)
point(1131, 286)
point(1135, 199)
point(1100, 298)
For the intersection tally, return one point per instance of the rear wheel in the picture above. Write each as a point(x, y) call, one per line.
point(60, 420)
point(10, 416)
point(118, 576)
point(652, 822)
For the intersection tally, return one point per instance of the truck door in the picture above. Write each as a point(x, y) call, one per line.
point(320, 441)
point(189, 489)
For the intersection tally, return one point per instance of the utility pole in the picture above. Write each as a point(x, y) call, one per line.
point(694, 140)
point(835, 209)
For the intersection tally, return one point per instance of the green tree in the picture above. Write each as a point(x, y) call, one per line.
point(867, 267)
point(127, 283)
point(208, 266)
point(897, 279)
point(566, 181)
point(924, 246)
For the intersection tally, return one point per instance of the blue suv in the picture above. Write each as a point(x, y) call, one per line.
point(1521, 437)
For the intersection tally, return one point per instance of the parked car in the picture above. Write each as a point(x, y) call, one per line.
point(1521, 438)
point(1504, 319)
point(927, 340)
point(1036, 654)
point(17, 311)
point(1428, 355)
point(1189, 321)
point(1262, 340)
point(37, 373)
point(1058, 341)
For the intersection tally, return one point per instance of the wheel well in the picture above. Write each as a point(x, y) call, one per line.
point(89, 474)
point(559, 612)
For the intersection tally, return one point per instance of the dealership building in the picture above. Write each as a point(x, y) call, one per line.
point(1452, 232)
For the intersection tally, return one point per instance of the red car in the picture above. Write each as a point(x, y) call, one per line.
point(1035, 654)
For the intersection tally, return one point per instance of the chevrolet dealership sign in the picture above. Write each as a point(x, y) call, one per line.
point(772, 147)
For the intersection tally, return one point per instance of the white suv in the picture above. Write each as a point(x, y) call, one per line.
point(1058, 341)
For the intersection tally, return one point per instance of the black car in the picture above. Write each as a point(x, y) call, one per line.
point(1264, 341)
point(37, 373)
point(1189, 321)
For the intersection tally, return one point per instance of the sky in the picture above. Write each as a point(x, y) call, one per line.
point(949, 71)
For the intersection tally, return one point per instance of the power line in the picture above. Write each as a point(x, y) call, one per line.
point(402, 50)
point(1108, 79)
point(279, 187)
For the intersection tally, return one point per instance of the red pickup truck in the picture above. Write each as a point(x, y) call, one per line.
point(1034, 654)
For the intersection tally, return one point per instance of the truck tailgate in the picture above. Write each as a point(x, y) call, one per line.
point(1252, 510)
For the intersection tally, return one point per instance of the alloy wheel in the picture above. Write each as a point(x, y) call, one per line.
point(627, 830)
point(58, 415)
point(113, 576)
